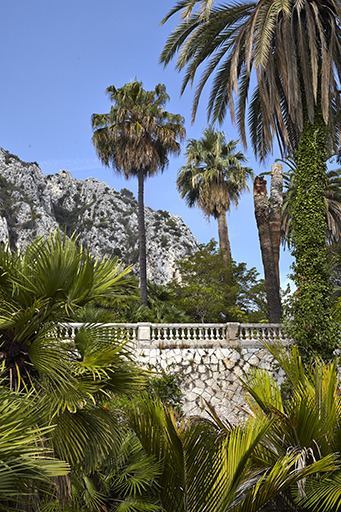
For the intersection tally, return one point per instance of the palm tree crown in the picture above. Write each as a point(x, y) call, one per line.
point(135, 139)
point(294, 49)
point(213, 178)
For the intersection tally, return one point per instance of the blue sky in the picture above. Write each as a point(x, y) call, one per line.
point(57, 59)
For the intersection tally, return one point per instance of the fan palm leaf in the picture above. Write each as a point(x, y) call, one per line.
point(25, 459)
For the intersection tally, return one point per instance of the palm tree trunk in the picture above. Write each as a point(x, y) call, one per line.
point(276, 203)
point(224, 243)
point(142, 239)
point(63, 486)
point(314, 329)
point(260, 197)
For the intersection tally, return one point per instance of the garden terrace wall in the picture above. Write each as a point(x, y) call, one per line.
point(209, 358)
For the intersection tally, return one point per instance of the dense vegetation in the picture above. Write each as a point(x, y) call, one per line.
point(78, 433)
point(82, 427)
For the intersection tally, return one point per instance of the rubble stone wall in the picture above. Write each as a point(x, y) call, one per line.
point(211, 374)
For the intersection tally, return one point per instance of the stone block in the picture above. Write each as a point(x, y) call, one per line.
point(214, 359)
point(200, 384)
point(254, 361)
point(228, 363)
point(197, 358)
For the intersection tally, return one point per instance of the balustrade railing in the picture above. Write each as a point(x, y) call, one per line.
point(188, 334)
point(254, 332)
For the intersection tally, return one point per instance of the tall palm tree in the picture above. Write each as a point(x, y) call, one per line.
point(293, 50)
point(268, 219)
point(135, 139)
point(213, 179)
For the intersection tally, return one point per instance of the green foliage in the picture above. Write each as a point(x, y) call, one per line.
point(70, 220)
point(26, 463)
point(332, 202)
point(70, 377)
point(307, 417)
point(166, 387)
point(314, 329)
point(204, 295)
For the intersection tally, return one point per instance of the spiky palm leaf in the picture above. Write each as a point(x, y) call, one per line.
point(292, 49)
point(308, 421)
point(213, 466)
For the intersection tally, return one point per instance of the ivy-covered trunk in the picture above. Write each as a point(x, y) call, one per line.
point(312, 328)
point(142, 239)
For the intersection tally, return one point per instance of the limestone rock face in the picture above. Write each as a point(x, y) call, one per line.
point(105, 220)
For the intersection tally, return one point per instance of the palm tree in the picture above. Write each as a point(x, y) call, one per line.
point(306, 416)
point(268, 218)
point(213, 179)
point(27, 466)
point(40, 290)
point(135, 138)
point(209, 465)
point(293, 50)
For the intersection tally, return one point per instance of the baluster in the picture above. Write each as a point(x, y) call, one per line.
point(200, 333)
point(176, 337)
point(153, 333)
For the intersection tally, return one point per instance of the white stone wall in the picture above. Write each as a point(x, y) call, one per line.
point(210, 373)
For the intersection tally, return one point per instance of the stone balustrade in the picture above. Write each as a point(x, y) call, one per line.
point(209, 359)
point(191, 334)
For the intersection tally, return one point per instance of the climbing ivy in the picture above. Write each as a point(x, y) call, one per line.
point(313, 327)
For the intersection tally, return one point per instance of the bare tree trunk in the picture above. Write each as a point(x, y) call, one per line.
point(63, 487)
point(224, 243)
point(276, 203)
point(260, 197)
point(142, 239)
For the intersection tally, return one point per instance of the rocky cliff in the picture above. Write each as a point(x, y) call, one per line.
point(105, 219)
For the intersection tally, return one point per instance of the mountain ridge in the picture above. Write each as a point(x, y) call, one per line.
point(104, 219)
